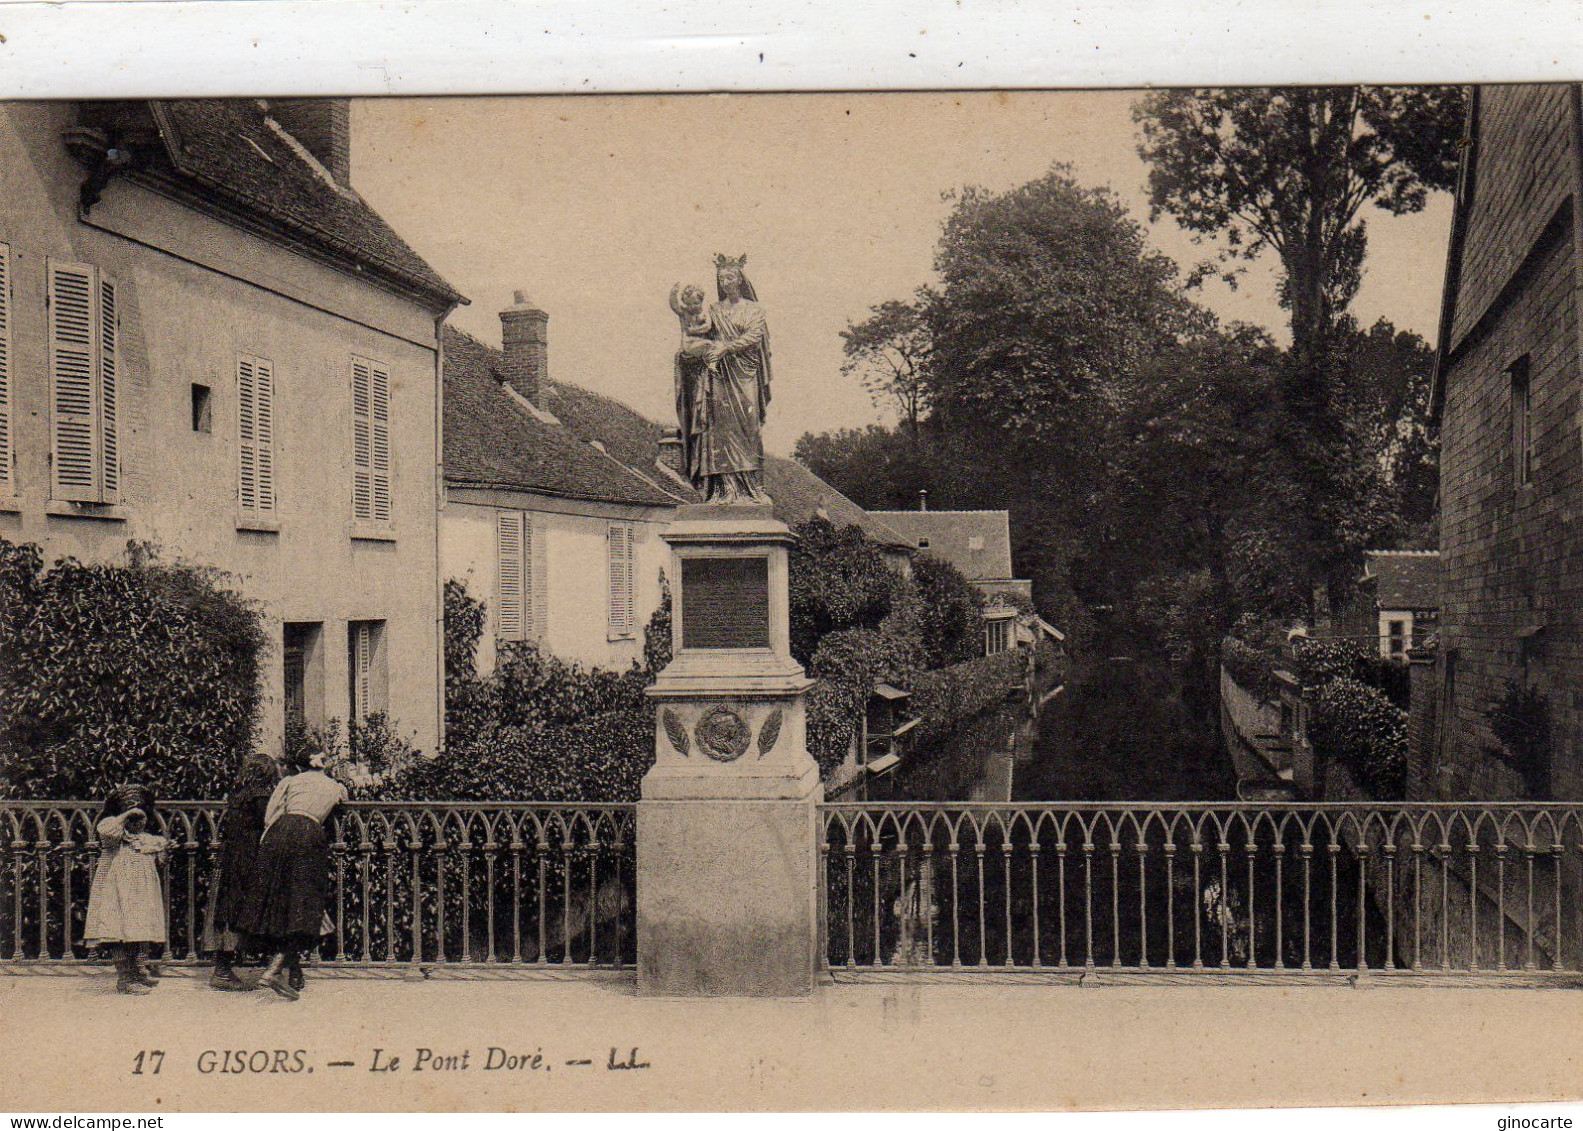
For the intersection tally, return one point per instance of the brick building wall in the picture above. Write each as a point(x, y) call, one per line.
point(1512, 551)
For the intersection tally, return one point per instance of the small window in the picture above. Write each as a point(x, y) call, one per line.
point(1522, 422)
point(365, 668)
point(923, 543)
point(202, 413)
point(997, 637)
point(303, 676)
point(1396, 637)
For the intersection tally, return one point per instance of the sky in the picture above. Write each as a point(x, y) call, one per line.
point(595, 206)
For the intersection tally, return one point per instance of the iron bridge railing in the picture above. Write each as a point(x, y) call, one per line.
point(413, 885)
point(1481, 890)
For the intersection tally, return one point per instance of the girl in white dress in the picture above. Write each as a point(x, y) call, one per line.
point(126, 906)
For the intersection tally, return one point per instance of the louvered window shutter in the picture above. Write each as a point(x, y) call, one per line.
point(246, 434)
point(530, 612)
point(510, 559)
point(371, 478)
point(75, 470)
point(379, 435)
point(359, 661)
point(264, 423)
point(365, 667)
point(621, 576)
point(255, 433)
point(362, 443)
point(109, 393)
point(536, 595)
point(7, 480)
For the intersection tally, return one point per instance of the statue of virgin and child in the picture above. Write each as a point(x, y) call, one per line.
point(723, 385)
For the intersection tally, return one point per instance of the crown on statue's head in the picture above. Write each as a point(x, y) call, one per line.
point(724, 261)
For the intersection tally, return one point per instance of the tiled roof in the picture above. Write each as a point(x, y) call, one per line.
point(952, 535)
point(493, 441)
point(1404, 579)
point(626, 433)
point(474, 449)
point(229, 149)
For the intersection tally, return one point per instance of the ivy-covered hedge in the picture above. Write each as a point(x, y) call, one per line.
point(131, 670)
point(857, 623)
point(1361, 728)
point(1321, 660)
point(950, 621)
point(846, 668)
point(1359, 700)
point(947, 698)
point(838, 580)
point(535, 729)
point(1251, 668)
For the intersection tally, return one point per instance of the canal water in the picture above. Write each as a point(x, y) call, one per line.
point(1120, 730)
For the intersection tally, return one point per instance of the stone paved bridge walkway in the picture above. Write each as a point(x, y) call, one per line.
point(67, 1038)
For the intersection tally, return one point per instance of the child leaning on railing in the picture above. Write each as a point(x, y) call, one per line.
point(126, 908)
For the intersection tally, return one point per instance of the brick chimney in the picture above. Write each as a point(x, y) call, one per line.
point(923, 498)
point(671, 451)
point(324, 128)
point(524, 335)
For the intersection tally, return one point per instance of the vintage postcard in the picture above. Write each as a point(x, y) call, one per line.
point(919, 601)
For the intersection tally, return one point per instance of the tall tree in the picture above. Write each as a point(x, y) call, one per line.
point(1049, 308)
point(887, 352)
point(1289, 170)
point(1050, 299)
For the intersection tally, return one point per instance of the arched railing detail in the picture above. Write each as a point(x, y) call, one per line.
point(413, 885)
point(1471, 890)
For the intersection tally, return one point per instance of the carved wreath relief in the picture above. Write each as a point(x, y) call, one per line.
point(722, 734)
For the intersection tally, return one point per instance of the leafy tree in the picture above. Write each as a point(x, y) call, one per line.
point(877, 467)
point(1050, 309)
point(1387, 404)
point(1289, 170)
point(1050, 300)
point(887, 352)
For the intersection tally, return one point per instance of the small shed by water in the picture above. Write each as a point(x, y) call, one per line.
point(886, 726)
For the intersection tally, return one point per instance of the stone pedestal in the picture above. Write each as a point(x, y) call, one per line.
point(727, 837)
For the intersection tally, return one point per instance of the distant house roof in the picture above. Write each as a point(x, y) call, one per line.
point(232, 153)
point(1404, 579)
point(494, 441)
point(977, 542)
